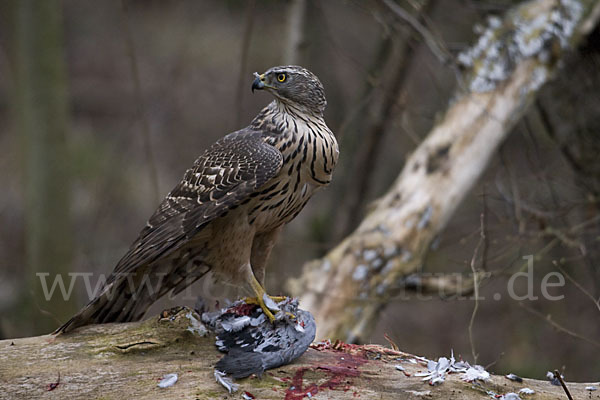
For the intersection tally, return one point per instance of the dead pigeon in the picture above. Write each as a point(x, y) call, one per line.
point(252, 343)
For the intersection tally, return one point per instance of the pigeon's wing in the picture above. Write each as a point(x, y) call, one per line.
point(225, 176)
point(254, 344)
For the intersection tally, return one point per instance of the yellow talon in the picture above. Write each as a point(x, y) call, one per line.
point(259, 300)
point(292, 316)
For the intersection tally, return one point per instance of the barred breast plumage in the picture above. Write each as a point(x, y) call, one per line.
point(310, 153)
point(226, 213)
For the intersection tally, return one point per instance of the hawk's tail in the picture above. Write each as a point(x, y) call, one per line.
point(127, 298)
point(115, 303)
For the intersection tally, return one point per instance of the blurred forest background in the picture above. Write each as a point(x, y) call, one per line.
point(103, 105)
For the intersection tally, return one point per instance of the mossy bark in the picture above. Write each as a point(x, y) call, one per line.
point(126, 361)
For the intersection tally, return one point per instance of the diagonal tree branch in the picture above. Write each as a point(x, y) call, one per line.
point(435, 45)
point(514, 57)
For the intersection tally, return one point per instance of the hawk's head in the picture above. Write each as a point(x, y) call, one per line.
point(293, 84)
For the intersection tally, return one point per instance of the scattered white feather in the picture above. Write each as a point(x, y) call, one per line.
point(476, 373)
point(226, 381)
point(437, 380)
point(419, 394)
point(196, 327)
point(553, 379)
point(591, 388)
point(526, 391)
point(437, 370)
point(510, 396)
point(167, 381)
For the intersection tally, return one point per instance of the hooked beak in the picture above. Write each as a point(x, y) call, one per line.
point(259, 82)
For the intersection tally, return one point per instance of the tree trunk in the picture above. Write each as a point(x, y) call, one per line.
point(295, 32)
point(347, 288)
point(40, 110)
point(121, 361)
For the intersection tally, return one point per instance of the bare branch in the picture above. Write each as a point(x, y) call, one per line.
point(562, 383)
point(578, 285)
point(476, 287)
point(435, 45)
point(548, 319)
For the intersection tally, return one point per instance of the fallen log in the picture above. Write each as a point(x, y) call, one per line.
point(127, 361)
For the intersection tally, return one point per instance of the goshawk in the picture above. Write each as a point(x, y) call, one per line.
point(226, 213)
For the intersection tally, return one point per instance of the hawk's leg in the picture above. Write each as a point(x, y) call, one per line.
point(262, 245)
point(261, 249)
point(260, 292)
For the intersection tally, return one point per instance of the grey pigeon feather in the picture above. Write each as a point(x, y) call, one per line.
point(253, 344)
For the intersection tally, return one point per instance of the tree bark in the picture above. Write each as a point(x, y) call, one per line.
point(120, 361)
point(347, 288)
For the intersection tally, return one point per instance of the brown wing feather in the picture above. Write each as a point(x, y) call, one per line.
point(221, 178)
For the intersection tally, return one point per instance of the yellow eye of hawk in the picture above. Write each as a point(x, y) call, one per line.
point(281, 77)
